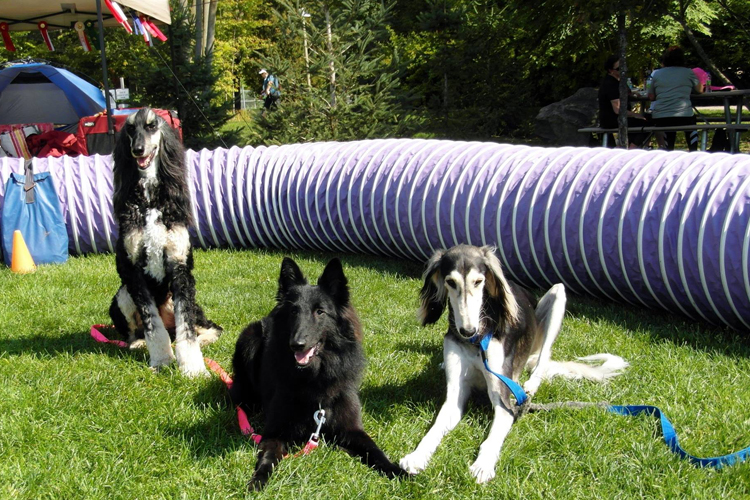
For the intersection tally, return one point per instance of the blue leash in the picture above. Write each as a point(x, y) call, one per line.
point(670, 437)
point(667, 429)
point(516, 389)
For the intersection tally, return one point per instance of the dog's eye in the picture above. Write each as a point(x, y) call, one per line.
point(478, 282)
point(151, 126)
point(319, 312)
point(450, 282)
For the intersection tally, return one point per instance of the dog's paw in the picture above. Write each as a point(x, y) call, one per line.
point(482, 472)
point(532, 385)
point(257, 483)
point(392, 470)
point(207, 336)
point(413, 463)
point(260, 477)
point(190, 359)
point(194, 371)
point(157, 362)
point(137, 345)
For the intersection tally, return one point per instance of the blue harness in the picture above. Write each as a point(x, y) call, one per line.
point(667, 429)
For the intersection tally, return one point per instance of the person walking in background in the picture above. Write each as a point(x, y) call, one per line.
point(270, 92)
point(671, 87)
point(609, 104)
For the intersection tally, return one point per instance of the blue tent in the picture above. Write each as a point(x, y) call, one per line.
point(40, 93)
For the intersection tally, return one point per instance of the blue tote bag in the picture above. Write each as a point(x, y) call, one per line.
point(31, 206)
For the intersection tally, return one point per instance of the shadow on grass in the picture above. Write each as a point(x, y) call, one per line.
point(427, 386)
point(662, 325)
point(217, 432)
point(399, 268)
point(65, 343)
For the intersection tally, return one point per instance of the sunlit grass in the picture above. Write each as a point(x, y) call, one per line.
point(85, 420)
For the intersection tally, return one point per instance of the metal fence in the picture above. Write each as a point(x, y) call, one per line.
point(249, 100)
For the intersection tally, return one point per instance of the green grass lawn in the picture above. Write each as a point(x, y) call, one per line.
point(85, 420)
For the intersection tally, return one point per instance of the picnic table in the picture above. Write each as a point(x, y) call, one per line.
point(732, 120)
point(726, 98)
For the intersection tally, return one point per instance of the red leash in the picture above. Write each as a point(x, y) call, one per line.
point(242, 420)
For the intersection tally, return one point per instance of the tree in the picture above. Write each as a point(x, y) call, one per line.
point(352, 71)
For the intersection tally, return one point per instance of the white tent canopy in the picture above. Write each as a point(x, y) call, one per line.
point(23, 15)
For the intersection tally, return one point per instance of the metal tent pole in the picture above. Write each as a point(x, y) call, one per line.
point(110, 127)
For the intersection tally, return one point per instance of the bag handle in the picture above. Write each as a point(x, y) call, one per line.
point(29, 183)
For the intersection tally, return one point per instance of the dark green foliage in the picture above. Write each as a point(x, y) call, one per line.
point(194, 95)
point(457, 69)
point(360, 102)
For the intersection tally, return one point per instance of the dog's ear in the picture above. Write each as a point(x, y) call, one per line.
point(498, 286)
point(124, 174)
point(334, 283)
point(290, 276)
point(432, 297)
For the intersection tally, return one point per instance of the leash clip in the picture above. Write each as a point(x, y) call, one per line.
point(312, 443)
point(320, 419)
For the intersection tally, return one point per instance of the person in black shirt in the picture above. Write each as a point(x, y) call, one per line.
point(609, 104)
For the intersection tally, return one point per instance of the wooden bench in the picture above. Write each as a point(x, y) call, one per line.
point(703, 128)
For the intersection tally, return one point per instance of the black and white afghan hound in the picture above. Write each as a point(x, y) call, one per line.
point(154, 256)
point(483, 302)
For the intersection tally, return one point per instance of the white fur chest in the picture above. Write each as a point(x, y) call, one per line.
point(154, 241)
point(159, 245)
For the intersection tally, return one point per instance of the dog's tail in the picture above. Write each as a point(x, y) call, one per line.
point(609, 366)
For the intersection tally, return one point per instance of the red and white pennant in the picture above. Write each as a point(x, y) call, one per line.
point(79, 27)
point(42, 25)
point(5, 30)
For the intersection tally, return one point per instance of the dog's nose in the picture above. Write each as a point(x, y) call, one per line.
point(296, 345)
point(138, 150)
point(468, 332)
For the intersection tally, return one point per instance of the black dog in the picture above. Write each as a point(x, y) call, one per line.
point(154, 256)
point(304, 356)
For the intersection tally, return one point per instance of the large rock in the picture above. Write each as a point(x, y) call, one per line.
point(559, 122)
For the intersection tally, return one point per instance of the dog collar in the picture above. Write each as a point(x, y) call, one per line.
point(481, 339)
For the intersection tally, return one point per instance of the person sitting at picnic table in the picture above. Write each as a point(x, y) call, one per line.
point(609, 104)
point(670, 88)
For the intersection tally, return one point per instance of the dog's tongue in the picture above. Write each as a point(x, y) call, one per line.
point(143, 161)
point(304, 357)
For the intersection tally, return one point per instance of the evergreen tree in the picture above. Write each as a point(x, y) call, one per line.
point(178, 80)
point(346, 88)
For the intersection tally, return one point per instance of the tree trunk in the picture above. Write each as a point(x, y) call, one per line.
point(622, 118)
point(198, 29)
point(330, 54)
point(713, 69)
point(445, 90)
point(211, 30)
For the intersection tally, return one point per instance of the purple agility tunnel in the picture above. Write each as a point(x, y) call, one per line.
point(649, 228)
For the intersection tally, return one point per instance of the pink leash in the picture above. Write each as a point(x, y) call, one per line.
point(244, 423)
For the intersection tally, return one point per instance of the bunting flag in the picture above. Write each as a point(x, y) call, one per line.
point(121, 15)
point(137, 26)
point(43, 30)
point(79, 27)
point(5, 30)
point(147, 38)
point(152, 29)
point(118, 14)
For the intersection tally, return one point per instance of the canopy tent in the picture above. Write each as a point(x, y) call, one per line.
point(40, 93)
point(24, 15)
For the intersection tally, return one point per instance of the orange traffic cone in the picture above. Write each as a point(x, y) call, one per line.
point(21, 261)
